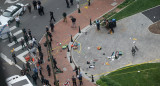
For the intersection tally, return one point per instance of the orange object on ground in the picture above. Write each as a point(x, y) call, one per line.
point(27, 58)
point(99, 48)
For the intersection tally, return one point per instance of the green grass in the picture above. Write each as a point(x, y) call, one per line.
point(125, 3)
point(149, 75)
point(135, 7)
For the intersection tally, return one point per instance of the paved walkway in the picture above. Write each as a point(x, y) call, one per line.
point(62, 35)
point(130, 31)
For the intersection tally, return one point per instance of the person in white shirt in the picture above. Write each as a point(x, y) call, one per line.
point(17, 21)
point(34, 41)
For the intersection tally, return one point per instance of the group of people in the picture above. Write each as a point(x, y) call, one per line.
point(37, 6)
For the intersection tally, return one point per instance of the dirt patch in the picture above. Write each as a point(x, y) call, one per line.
point(155, 28)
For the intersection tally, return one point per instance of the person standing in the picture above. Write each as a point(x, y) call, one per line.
point(89, 2)
point(54, 63)
point(71, 1)
point(22, 43)
point(30, 35)
point(74, 81)
point(80, 79)
point(28, 65)
point(78, 7)
point(15, 39)
point(67, 2)
point(35, 70)
point(39, 48)
point(34, 4)
point(39, 2)
point(29, 8)
point(34, 41)
point(24, 31)
point(52, 26)
point(76, 70)
point(39, 10)
point(64, 17)
point(41, 57)
point(14, 57)
point(26, 38)
point(73, 22)
point(34, 78)
point(98, 24)
point(17, 21)
point(40, 70)
point(42, 10)
point(49, 70)
point(47, 29)
point(51, 16)
point(9, 37)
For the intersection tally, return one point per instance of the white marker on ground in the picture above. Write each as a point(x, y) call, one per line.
point(12, 28)
point(21, 56)
point(18, 32)
point(4, 57)
point(11, 44)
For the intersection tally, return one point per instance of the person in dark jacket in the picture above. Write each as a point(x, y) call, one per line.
point(29, 8)
point(34, 4)
point(64, 17)
point(67, 2)
point(51, 16)
point(71, 1)
point(49, 70)
point(52, 26)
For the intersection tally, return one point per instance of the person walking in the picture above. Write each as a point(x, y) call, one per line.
point(47, 83)
point(28, 65)
point(15, 39)
point(34, 78)
point(22, 43)
point(29, 8)
point(73, 22)
point(74, 81)
point(40, 70)
point(49, 70)
point(52, 26)
point(34, 4)
point(42, 79)
point(71, 1)
point(98, 24)
point(50, 35)
point(51, 16)
point(14, 57)
point(30, 34)
point(17, 21)
point(64, 17)
point(67, 2)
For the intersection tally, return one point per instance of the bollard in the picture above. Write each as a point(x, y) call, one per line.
point(90, 22)
point(68, 49)
point(71, 39)
point(79, 30)
point(70, 59)
point(92, 78)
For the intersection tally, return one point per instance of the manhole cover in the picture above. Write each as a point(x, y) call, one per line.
point(155, 28)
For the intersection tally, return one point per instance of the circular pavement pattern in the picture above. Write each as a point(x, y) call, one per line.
point(155, 28)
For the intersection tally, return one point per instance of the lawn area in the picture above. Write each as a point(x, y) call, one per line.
point(135, 7)
point(138, 75)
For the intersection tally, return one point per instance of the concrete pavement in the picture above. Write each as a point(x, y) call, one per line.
point(130, 31)
point(62, 35)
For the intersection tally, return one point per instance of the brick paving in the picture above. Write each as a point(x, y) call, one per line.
point(62, 35)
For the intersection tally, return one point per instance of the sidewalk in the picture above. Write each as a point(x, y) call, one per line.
point(62, 35)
